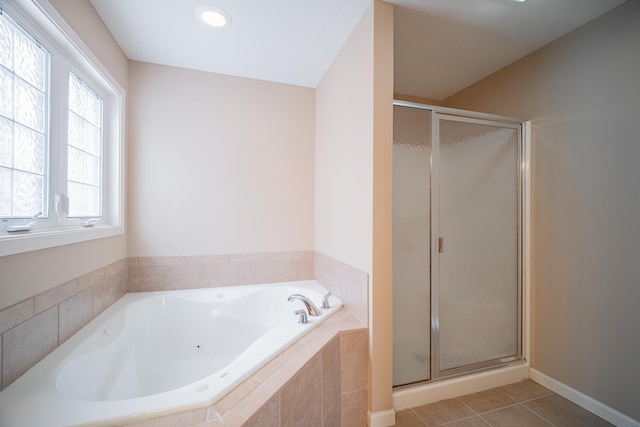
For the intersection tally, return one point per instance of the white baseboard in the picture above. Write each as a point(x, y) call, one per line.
point(446, 389)
point(598, 408)
point(382, 418)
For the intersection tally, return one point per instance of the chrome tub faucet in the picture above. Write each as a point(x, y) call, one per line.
point(308, 304)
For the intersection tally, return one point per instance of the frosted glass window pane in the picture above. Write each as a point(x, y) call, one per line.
point(92, 140)
point(94, 109)
point(27, 193)
point(6, 142)
point(30, 61)
point(5, 191)
point(75, 171)
point(75, 95)
point(23, 115)
point(76, 199)
point(91, 200)
point(76, 131)
point(29, 150)
point(6, 43)
point(30, 106)
point(85, 150)
point(478, 212)
point(6, 93)
point(92, 170)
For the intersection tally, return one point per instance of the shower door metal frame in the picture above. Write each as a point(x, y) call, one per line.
point(523, 238)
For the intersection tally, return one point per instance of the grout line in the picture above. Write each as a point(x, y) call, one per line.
point(424, 423)
point(537, 414)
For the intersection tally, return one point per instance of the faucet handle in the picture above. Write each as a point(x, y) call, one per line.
point(325, 300)
point(303, 316)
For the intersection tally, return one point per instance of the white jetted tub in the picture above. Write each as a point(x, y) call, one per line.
point(157, 352)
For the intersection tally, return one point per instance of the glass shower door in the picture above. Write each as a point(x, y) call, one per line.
point(411, 245)
point(476, 291)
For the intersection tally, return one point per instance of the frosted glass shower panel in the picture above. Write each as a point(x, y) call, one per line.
point(411, 245)
point(478, 220)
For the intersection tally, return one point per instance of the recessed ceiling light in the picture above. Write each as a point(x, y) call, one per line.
point(213, 16)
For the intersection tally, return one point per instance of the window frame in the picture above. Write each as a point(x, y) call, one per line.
point(68, 53)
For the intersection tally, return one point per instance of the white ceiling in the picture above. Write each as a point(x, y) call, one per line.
point(441, 46)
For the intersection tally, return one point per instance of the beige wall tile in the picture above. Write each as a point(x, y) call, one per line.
point(208, 259)
point(354, 408)
point(186, 276)
point(233, 420)
point(300, 270)
point(292, 256)
point(54, 296)
point(268, 415)
point(302, 397)
point(191, 418)
point(331, 384)
point(257, 398)
point(346, 282)
point(27, 343)
point(104, 294)
point(16, 314)
point(232, 398)
point(269, 271)
point(115, 268)
point(354, 360)
point(74, 313)
point(144, 279)
point(162, 260)
point(250, 257)
point(91, 279)
point(229, 273)
point(334, 416)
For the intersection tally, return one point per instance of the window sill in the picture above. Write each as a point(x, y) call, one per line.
point(11, 244)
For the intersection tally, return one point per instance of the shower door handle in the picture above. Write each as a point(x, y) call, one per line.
point(440, 245)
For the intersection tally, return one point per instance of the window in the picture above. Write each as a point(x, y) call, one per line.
point(60, 134)
point(84, 151)
point(24, 77)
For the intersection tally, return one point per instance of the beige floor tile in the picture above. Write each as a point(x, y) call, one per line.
point(486, 401)
point(516, 415)
point(469, 422)
point(563, 413)
point(408, 418)
point(442, 412)
point(525, 390)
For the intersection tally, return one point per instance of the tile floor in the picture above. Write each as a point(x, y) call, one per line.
point(523, 404)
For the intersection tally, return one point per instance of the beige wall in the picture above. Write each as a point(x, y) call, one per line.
point(25, 275)
point(381, 297)
point(582, 94)
point(219, 164)
point(353, 174)
point(344, 152)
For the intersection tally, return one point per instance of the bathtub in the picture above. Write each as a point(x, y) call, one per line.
point(160, 352)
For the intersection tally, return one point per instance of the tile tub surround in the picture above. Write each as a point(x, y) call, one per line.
point(348, 283)
point(203, 271)
point(189, 272)
point(319, 381)
point(34, 327)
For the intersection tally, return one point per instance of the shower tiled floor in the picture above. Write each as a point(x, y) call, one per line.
point(523, 404)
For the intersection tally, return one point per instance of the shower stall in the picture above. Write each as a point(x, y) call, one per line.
point(459, 249)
